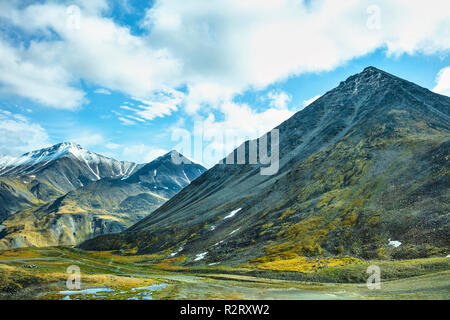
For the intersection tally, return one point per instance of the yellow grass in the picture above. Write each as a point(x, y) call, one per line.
point(304, 264)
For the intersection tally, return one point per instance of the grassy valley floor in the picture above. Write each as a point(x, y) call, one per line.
point(41, 273)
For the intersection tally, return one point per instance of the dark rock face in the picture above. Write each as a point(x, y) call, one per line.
point(365, 163)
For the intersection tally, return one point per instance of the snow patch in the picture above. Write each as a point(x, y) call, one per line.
point(5, 161)
point(212, 228)
point(213, 263)
point(200, 256)
point(189, 181)
point(173, 254)
point(234, 231)
point(394, 243)
point(232, 214)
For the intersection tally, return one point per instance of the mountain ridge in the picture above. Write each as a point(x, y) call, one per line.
point(36, 211)
point(36, 161)
point(346, 162)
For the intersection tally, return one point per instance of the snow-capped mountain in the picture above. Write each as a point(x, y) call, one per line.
point(164, 176)
point(74, 194)
point(66, 166)
point(5, 161)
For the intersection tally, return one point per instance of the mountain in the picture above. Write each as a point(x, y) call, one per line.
point(165, 177)
point(67, 166)
point(5, 160)
point(43, 175)
point(97, 206)
point(362, 166)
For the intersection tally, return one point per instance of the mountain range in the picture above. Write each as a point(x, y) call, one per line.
point(65, 194)
point(364, 172)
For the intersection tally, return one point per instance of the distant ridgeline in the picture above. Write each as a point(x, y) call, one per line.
point(64, 194)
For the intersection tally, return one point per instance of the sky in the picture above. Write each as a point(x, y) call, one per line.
point(135, 79)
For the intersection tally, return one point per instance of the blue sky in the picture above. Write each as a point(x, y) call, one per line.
point(121, 78)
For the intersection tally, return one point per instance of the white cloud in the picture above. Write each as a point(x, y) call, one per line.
point(279, 99)
point(214, 48)
point(443, 82)
point(230, 46)
point(49, 85)
point(136, 118)
point(128, 108)
point(102, 91)
point(220, 137)
point(112, 146)
point(160, 104)
point(99, 51)
point(142, 153)
point(87, 139)
point(19, 135)
point(311, 100)
point(126, 121)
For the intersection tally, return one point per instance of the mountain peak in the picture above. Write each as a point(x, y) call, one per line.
point(371, 69)
point(370, 82)
point(59, 150)
point(372, 72)
point(370, 75)
point(68, 144)
point(168, 156)
point(87, 165)
point(56, 151)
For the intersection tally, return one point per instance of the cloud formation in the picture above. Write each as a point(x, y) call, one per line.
point(214, 138)
point(18, 135)
point(142, 153)
point(311, 100)
point(443, 82)
point(102, 91)
point(214, 48)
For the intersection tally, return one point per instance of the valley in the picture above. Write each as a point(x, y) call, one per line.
point(40, 273)
point(363, 184)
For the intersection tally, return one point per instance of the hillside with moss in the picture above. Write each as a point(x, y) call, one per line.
point(364, 174)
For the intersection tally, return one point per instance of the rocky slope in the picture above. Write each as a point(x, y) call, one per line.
point(362, 169)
